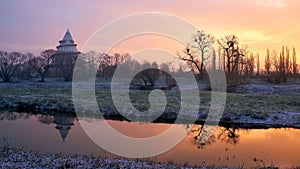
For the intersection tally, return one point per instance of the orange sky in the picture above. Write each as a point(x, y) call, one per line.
point(257, 23)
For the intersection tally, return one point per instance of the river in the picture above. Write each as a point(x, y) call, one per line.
point(228, 147)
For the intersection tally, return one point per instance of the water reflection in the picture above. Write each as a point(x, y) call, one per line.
point(46, 119)
point(230, 147)
point(205, 135)
point(63, 122)
point(229, 135)
point(13, 115)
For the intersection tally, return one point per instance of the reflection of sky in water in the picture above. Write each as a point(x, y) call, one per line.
point(226, 147)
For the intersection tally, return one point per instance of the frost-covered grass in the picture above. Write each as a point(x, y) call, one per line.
point(255, 103)
point(239, 107)
point(16, 158)
point(235, 103)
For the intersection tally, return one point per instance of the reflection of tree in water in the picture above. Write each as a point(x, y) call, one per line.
point(202, 136)
point(13, 115)
point(45, 119)
point(205, 135)
point(228, 135)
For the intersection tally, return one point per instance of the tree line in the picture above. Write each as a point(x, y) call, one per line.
point(27, 65)
point(205, 52)
point(49, 63)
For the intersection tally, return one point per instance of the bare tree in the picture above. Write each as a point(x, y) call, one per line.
point(154, 65)
point(42, 63)
point(278, 64)
point(91, 60)
point(282, 61)
point(25, 71)
point(249, 64)
point(165, 66)
point(275, 61)
point(294, 62)
point(282, 75)
point(213, 62)
point(257, 64)
point(191, 60)
point(287, 60)
point(233, 53)
point(197, 51)
point(283, 65)
point(65, 62)
point(104, 62)
point(267, 62)
point(221, 59)
point(146, 79)
point(9, 64)
point(108, 64)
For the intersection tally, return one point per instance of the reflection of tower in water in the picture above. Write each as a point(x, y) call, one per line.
point(63, 124)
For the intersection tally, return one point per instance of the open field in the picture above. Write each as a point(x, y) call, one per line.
point(248, 110)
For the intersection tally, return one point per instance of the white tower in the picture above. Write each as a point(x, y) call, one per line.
point(67, 44)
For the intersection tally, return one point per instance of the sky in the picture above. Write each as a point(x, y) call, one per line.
point(33, 26)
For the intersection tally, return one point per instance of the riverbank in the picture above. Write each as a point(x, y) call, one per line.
point(250, 110)
point(17, 158)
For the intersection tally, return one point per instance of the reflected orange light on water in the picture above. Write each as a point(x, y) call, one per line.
point(244, 148)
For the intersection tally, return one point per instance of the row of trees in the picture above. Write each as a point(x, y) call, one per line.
point(199, 55)
point(151, 72)
point(201, 51)
point(52, 64)
point(25, 66)
point(280, 64)
point(236, 59)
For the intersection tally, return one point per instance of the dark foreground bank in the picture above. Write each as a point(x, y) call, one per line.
point(16, 158)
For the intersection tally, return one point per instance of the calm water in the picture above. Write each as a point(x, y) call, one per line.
point(227, 147)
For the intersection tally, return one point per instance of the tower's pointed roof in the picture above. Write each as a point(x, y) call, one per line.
point(67, 36)
point(67, 44)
